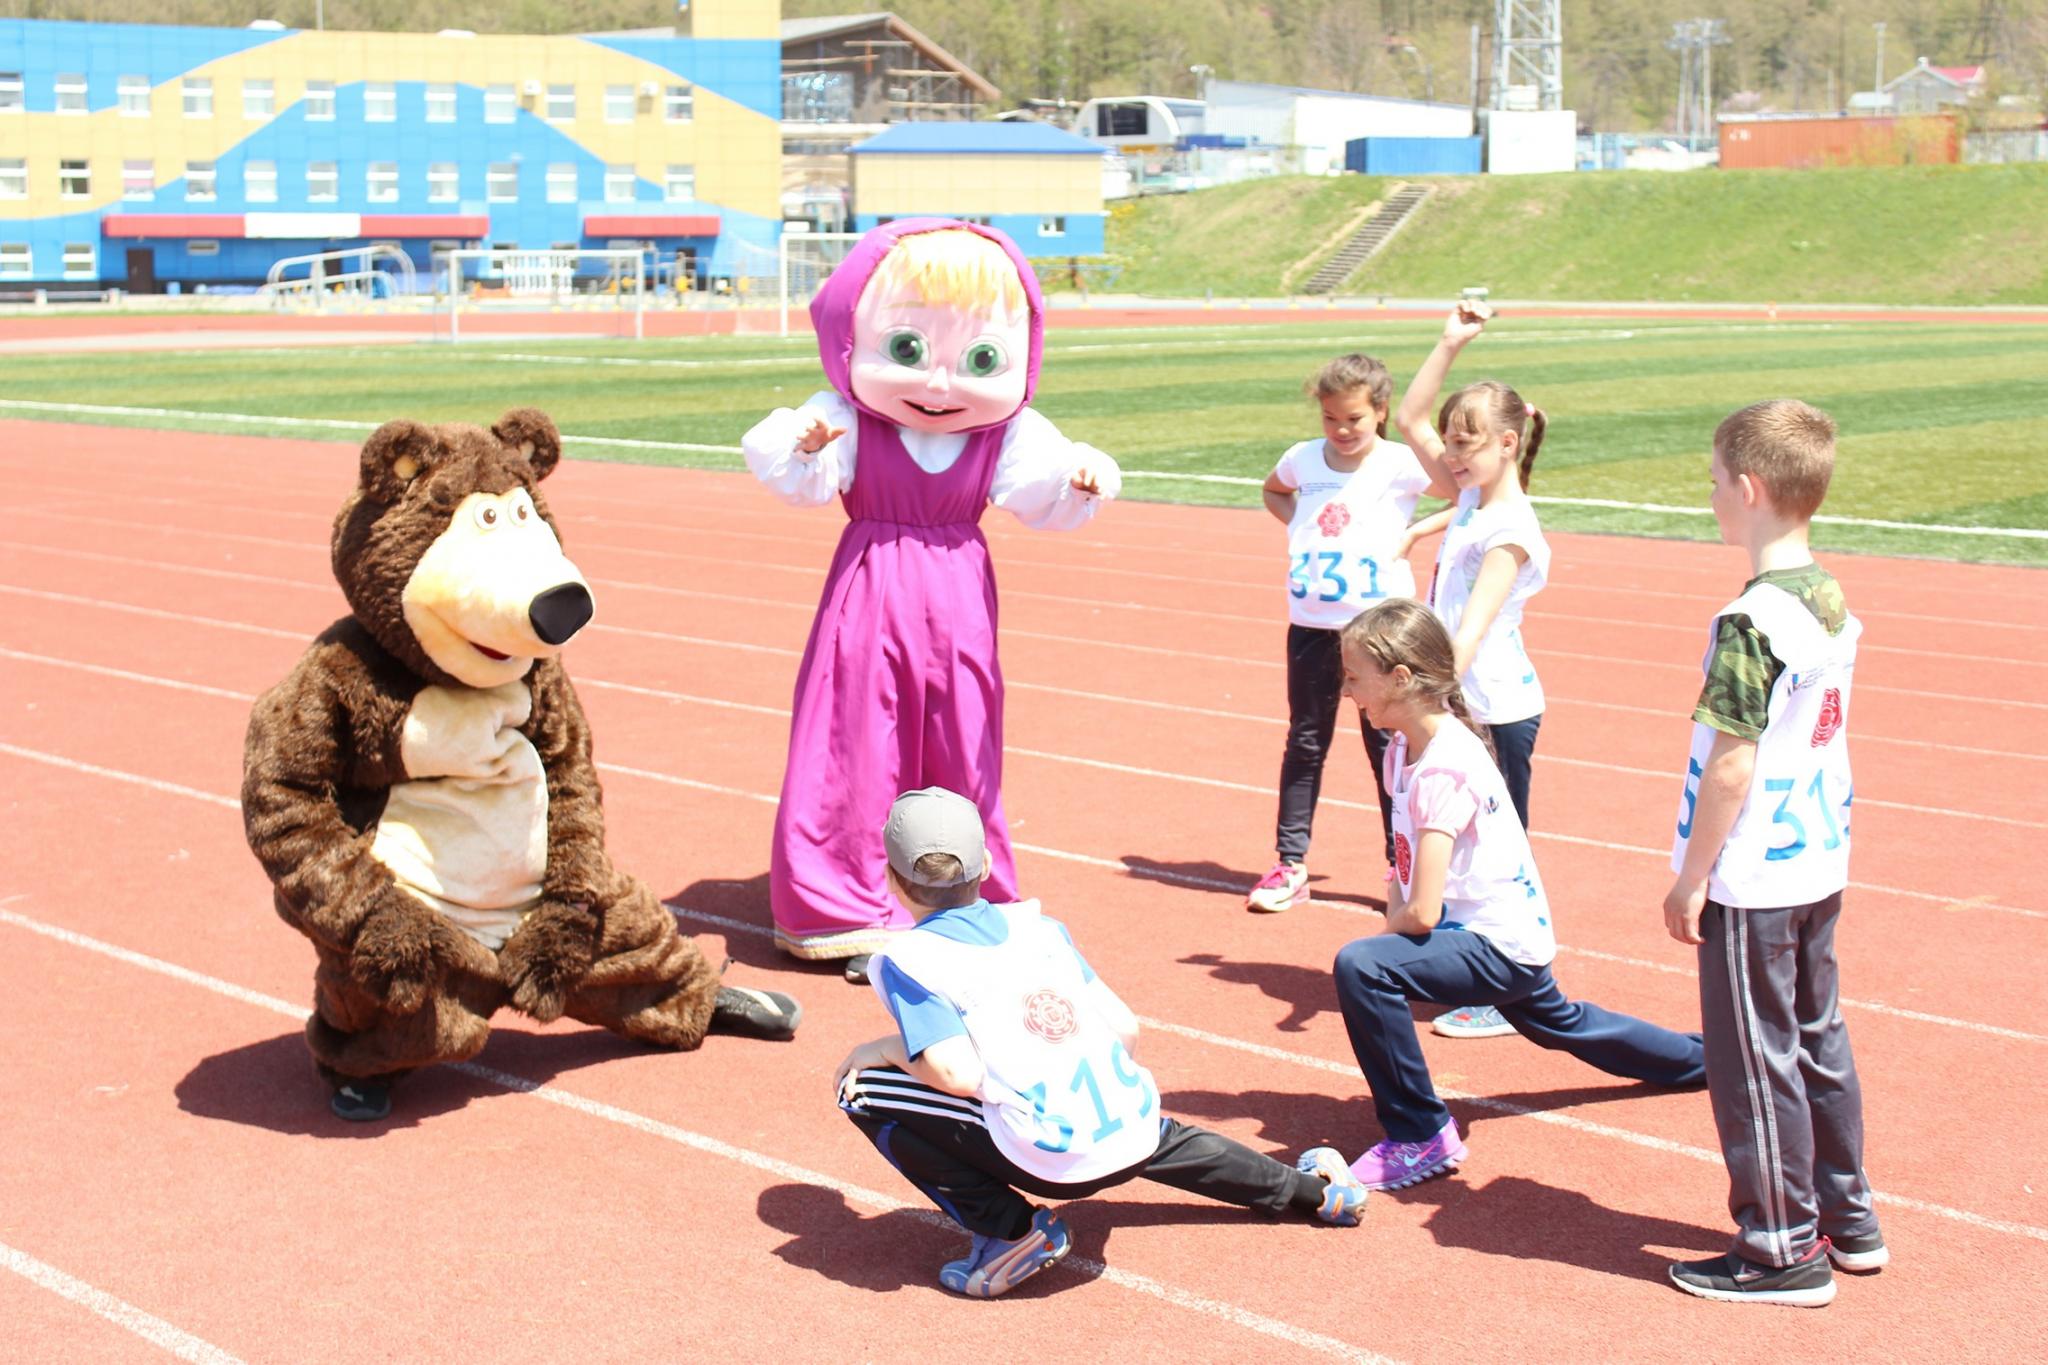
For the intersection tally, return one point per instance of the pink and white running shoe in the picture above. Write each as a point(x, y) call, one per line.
point(1282, 888)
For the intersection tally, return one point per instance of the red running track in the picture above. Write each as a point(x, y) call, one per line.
point(178, 1181)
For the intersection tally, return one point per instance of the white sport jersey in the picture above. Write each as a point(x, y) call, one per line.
point(1061, 1098)
point(1343, 542)
point(1790, 843)
point(1491, 888)
point(1501, 685)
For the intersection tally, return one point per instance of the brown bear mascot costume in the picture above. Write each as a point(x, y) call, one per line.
point(421, 790)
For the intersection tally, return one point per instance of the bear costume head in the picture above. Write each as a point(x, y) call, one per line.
point(448, 555)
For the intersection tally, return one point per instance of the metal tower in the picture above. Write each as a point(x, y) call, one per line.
point(1528, 54)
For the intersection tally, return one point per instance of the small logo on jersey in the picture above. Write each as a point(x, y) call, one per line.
point(1050, 1016)
point(1403, 860)
point(1492, 804)
point(1332, 520)
point(1830, 717)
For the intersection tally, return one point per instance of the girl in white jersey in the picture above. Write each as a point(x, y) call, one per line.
point(1346, 501)
point(1466, 911)
point(1492, 561)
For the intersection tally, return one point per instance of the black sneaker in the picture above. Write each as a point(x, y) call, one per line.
point(755, 1013)
point(1864, 1253)
point(1806, 1283)
point(361, 1101)
point(857, 968)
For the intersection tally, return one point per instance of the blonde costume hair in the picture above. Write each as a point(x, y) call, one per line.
point(949, 268)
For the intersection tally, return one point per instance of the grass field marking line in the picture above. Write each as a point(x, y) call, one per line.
point(652, 1127)
point(120, 1312)
point(1870, 1006)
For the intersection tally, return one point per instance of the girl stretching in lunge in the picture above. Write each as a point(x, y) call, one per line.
point(1492, 561)
point(1466, 909)
point(1346, 501)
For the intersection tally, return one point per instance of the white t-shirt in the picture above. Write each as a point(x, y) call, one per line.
point(1491, 887)
point(1342, 542)
point(1790, 841)
point(1501, 684)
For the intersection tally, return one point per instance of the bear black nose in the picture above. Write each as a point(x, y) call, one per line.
point(560, 612)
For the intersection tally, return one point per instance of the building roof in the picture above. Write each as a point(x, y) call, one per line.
point(832, 25)
point(1961, 77)
point(1035, 139)
point(1213, 87)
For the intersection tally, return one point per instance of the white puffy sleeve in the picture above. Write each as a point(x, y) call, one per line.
point(1034, 473)
point(801, 480)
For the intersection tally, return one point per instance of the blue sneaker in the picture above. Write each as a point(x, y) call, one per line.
point(1472, 1021)
point(994, 1267)
point(1344, 1200)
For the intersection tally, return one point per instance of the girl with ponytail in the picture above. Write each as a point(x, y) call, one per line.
point(1492, 561)
point(1466, 912)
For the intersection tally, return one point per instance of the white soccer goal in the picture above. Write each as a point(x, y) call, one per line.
point(496, 279)
point(804, 262)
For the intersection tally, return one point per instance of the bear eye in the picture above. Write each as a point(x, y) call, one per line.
point(487, 515)
point(905, 347)
point(984, 360)
point(522, 507)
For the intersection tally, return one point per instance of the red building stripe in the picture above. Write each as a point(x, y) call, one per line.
point(171, 225)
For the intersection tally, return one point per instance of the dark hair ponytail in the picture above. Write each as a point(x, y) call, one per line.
point(1537, 423)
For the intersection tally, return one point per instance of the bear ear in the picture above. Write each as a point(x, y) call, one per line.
point(396, 454)
point(532, 433)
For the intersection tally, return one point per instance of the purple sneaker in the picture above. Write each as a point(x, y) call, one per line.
point(1397, 1165)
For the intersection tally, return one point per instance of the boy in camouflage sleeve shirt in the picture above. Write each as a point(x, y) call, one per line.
point(1762, 857)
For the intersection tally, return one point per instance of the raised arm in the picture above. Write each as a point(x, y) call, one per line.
point(1416, 415)
point(805, 455)
point(1047, 481)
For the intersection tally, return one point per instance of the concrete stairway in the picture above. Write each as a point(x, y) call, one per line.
point(1374, 234)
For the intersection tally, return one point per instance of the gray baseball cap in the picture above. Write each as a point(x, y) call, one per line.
point(935, 820)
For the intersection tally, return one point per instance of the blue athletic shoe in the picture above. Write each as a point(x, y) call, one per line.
point(994, 1267)
point(1472, 1021)
point(1344, 1199)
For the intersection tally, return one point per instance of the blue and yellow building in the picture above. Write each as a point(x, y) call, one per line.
point(136, 155)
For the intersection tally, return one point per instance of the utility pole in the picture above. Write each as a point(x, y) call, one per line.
point(1879, 26)
point(1528, 50)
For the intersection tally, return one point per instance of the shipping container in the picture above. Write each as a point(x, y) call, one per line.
point(1801, 143)
point(1412, 155)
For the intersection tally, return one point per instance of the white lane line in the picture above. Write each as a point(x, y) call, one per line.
point(1082, 1266)
point(117, 775)
point(1157, 774)
point(120, 1312)
point(1621, 1134)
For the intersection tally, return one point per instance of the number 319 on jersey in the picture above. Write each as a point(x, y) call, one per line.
point(1323, 573)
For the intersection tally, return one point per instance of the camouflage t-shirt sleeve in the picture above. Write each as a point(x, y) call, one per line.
point(1737, 695)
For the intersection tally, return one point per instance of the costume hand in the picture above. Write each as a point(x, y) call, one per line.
point(818, 437)
point(1467, 321)
point(393, 956)
point(550, 952)
point(1682, 906)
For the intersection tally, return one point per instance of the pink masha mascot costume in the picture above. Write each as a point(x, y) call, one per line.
point(930, 333)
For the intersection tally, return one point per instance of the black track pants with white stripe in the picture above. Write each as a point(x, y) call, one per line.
point(940, 1145)
point(1783, 1081)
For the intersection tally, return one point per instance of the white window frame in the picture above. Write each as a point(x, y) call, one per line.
point(131, 92)
point(195, 96)
point(69, 92)
point(444, 182)
point(1054, 225)
point(13, 177)
point(74, 178)
point(319, 172)
point(499, 178)
point(679, 103)
point(259, 182)
point(618, 104)
point(621, 182)
point(89, 269)
point(501, 104)
point(13, 95)
point(202, 246)
point(560, 104)
point(259, 98)
point(138, 180)
point(17, 260)
point(380, 182)
point(564, 182)
point(198, 174)
point(319, 101)
point(380, 101)
point(683, 175)
point(441, 102)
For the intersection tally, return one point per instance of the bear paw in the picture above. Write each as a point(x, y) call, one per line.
point(394, 958)
point(552, 951)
